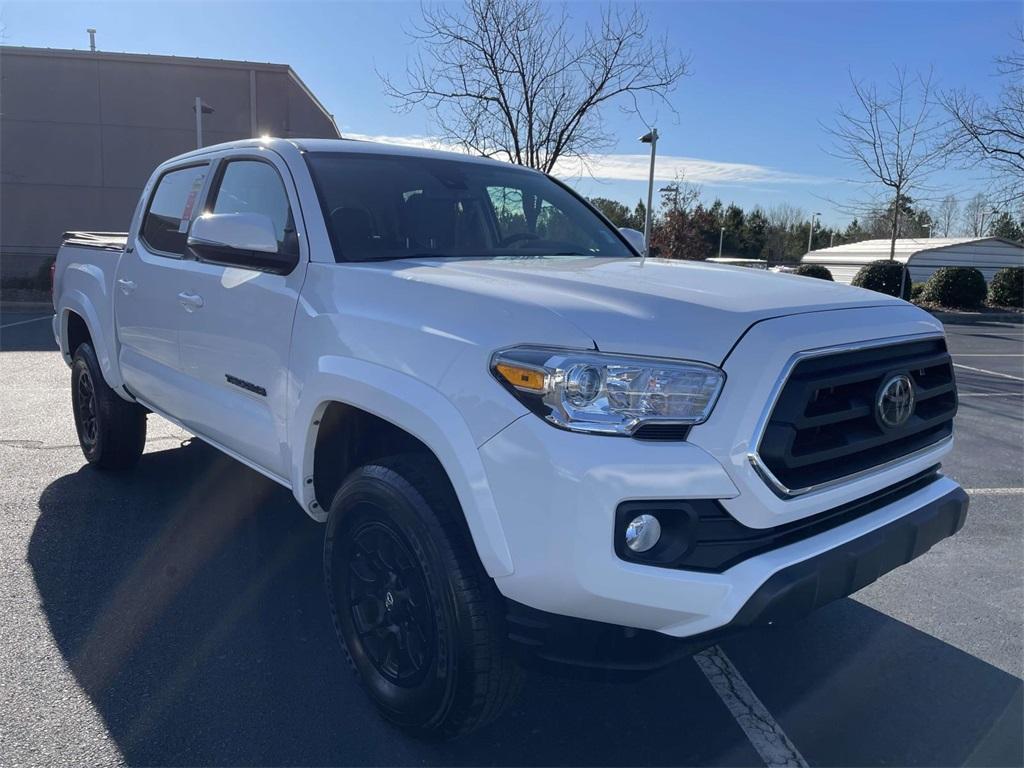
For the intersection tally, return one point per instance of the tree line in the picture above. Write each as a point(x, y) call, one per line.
point(685, 227)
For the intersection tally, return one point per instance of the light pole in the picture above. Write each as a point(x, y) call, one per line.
point(651, 137)
point(832, 239)
point(810, 232)
point(200, 110)
point(981, 228)
point(721, 234)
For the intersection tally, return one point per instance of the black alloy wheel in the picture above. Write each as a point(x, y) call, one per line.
point(389, 605)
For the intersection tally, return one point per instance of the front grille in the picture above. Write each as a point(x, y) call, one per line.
point(825, 424)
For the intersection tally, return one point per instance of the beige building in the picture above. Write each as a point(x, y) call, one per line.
point(81, 131)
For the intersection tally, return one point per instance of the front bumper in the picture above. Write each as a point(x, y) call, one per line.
point(789, 594)
point(557, 493)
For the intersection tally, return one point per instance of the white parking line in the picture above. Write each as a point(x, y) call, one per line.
point(750, 714)
point(990, 373)
point(990, 394)
point(995, 491)
point(25, 322)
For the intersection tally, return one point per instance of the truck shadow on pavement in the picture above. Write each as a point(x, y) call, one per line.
point(187, 600)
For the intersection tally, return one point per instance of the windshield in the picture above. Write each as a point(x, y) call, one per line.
point(392, 207)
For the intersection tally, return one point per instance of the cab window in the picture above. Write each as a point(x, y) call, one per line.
point(174, 201)
point(253, 186)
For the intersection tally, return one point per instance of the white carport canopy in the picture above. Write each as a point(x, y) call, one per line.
point(922, 256)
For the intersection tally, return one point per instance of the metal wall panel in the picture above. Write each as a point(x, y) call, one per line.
point(80, 133)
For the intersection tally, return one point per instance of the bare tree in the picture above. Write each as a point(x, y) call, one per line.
point(946, 214)
point(680, 194)
point(890, 137)
point(978, 213)
point(785, 217)
point(507, 78)
point(992, 135)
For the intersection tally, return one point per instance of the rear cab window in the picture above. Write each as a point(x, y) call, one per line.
point(173, 203)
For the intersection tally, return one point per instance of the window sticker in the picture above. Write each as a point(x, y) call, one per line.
point(190, 202)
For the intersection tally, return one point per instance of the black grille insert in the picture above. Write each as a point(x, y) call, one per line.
point(824, 425)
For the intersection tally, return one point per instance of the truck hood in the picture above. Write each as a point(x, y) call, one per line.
point(666, 308)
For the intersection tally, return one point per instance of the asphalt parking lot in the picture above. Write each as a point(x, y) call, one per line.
point(175, 615)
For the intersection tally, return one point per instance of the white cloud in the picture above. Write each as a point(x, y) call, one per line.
point(635, 167)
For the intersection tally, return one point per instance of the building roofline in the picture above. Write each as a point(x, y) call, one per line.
point(186, 61)
point(183, 61)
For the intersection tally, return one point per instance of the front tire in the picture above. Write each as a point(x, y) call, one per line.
point(421, 623)
point(111, 431)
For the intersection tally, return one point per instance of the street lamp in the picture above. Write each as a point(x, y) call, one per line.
point(651, 137)
point(200, 109)
point(721, 234)
point(810, 232)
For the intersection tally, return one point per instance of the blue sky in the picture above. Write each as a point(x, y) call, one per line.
point(763, 74)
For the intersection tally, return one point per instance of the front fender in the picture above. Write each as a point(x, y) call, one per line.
point(420, 410)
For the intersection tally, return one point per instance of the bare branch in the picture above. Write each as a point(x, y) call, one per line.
point(506, 78)
point(891, 138)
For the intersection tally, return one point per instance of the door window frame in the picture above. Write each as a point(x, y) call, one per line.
point(220, 164)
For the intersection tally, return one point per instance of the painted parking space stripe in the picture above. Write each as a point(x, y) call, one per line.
point(994, 491)
point(765, 735)
point(26, 322)
point(990, 373)
point(990, 394)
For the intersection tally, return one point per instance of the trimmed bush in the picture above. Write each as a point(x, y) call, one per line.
point(1007, 288)
point(813, 270)
point(884, 276)
point(959, 287)
point(916, 290)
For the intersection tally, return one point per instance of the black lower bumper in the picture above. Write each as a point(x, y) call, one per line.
point(788, 594)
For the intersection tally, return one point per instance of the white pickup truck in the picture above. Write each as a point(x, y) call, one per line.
point(526, 441)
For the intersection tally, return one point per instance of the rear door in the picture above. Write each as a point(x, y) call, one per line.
point(236, 335)
point(146, 287)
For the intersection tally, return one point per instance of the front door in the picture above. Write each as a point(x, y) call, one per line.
point(236, 336)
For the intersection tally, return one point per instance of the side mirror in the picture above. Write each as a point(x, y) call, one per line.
point(635, 238)
point(246, 240)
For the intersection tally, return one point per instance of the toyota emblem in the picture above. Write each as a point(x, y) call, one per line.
point(895, 402)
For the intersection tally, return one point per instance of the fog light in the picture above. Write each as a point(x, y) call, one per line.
point(643, 533)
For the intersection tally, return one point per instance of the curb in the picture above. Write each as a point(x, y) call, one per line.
point(973, 318)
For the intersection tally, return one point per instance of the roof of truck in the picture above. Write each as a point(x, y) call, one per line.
point(347, 146)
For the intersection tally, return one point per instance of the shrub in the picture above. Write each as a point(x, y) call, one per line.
point(916, 290)
point(813, 270)
point(960, 287)
point(884, 276)
point(1007, 288)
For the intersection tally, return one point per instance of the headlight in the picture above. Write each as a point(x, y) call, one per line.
point(608, 394)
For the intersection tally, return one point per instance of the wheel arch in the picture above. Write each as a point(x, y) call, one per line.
point(78, 316)
point(416, 416)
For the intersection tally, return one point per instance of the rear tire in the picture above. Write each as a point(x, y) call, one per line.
point(111, 431)
point(420, 621)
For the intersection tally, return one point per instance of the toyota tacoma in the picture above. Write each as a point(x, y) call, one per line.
point(527, 442)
